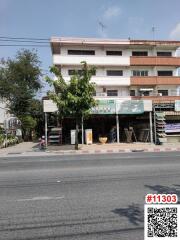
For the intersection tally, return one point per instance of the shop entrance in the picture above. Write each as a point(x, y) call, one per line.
point(132, 128)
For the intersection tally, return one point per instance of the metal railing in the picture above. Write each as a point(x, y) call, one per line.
point(171, 93)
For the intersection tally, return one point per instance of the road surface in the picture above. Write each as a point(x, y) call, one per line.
point(82, 197)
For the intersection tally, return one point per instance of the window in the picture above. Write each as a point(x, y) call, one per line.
point(81, 52)
point(141, 73)
point(112, 92)
point(73, 71)
point(139, 53)
point(79, 71)
point(165, 73)
point(164, 54)
point(114, 73)
point(132, 93)
point(114, 53)
point(144, 93)
point(163, 92)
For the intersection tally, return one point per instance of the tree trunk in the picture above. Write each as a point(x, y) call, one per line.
point(76, 135)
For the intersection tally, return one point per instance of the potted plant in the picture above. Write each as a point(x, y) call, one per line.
point(103, 139)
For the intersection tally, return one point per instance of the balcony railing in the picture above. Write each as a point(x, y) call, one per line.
point(171, 93)
point(157, 98)
point(155, 61)
point(155, 80)
point(104, 95)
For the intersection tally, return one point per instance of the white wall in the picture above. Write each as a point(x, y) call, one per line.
point(3, 113)
point(91, 60)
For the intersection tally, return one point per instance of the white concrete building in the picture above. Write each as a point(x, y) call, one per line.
point(3, 113)
point(123, 67)
point(126, 70)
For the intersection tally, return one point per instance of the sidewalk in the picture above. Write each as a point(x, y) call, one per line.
point(31, 149)
point(117, 148)
point(20, 148)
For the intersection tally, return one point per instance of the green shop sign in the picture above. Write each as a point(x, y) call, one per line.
point(119, 107)
point(129, 106)
point(104, 107)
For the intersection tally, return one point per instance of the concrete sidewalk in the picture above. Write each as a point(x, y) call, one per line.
point(32, 149)
point(20, 148)
point(117, 148)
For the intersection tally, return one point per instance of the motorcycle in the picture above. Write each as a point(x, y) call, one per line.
point(42, 144)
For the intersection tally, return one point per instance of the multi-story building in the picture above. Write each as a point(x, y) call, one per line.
point(3, 113)
point(125, 69)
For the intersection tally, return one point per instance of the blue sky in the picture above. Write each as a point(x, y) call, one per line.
point(122, 19)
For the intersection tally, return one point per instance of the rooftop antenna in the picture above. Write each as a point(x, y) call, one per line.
point(153, 32)
point(102, 26)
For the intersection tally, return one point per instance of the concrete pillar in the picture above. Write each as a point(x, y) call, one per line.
point(117, 127)
point(46, 129)
point(150, 124)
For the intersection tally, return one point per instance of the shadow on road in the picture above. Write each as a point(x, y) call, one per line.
point(133, 212)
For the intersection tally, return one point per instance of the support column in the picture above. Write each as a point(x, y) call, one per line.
point(117, 127)
point(82, 128)
point(155, 136)
point(46, 129)
point(150, 124)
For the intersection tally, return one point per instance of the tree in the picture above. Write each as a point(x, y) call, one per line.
point(20, 81)
point(28, 125)
point(73, 98)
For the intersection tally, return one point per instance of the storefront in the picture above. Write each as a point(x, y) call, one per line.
point(117, 120)
point(167, 122)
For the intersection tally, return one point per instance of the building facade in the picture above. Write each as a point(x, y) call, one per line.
point(3, 113)
point(126, 70)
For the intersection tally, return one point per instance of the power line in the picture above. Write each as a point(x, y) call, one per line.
point(22, 45)
point(31, 41)
point(25, 38)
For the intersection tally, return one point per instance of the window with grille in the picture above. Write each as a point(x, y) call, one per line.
point(139, 53)
point(81, 52)
point(114, 73)
point(164, 54)
point(112, 92)
point(165, 73)
point(132, 93)
point(114, 53)
point(141, 73)
point(79, 71)
point(163, 92)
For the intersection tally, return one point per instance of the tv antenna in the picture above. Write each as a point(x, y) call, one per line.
point(153, 32)
point(102, 26)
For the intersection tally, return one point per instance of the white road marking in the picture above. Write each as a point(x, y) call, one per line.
point(58, 181)
point(40, 198)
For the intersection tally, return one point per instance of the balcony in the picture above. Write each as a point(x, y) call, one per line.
point(101, 95)
point(155, 61)
point(107, 80)
point(155, 80)
point(158, 98)
point(70, 60)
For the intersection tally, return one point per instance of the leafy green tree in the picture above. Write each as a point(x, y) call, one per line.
point(73, 98)
point(20, 81)
point(28, 125)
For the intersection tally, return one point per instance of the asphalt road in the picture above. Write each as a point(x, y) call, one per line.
point(82, 197)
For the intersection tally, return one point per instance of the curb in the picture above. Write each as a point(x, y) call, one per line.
point(108, 151)
point(87, 152)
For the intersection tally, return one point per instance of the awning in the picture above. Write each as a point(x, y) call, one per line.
point(146, 89)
